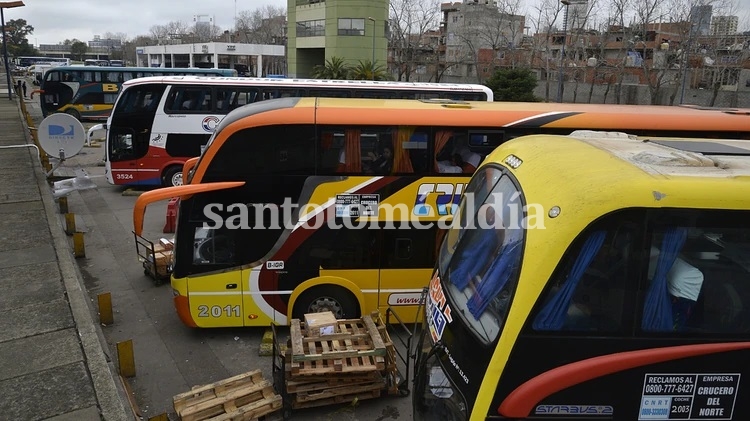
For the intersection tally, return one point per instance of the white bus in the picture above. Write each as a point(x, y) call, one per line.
point(158, 123)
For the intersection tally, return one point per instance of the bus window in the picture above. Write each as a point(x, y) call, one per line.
point(109, 98)
point(329, 93)
point(182, 99)
point(589, 288)
point(113, 77)
point(698, 273)
point(345, 248)
point(91, 98)
point(122, 147)
point(265, 150)
point(235, 97)
point(484, 290)
point(273, 93)
point(410, 248)
point(357, 149)
point(213, 247)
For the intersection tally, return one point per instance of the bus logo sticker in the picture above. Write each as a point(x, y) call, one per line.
point(210, 123)
point(574, 410)
point(688, 396)
point(158, 141)
point(60, 131)
point(275, 265)
point(438, 310)
point(405, 299)
point(357, 205)
point(448, 197)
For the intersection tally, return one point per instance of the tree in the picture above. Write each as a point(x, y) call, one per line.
point(172, 30)
point(78, 50)
point(410, 24)
point(368, 70)
point(265, 25)
point(513, 85)
point(547, 13)
point(17, 30)
point(334, 68)
point(262, 26)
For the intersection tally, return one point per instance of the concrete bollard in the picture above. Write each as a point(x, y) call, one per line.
point(125, 358)
point(70, 223)
point(63, 202)
point(105, 308)
point(78, 248)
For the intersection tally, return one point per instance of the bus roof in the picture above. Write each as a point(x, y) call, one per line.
point(321, 83)
point(146, 69)
point(594, 173)
point(507, 115)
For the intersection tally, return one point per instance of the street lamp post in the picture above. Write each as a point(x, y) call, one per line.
point(373, 46)
point(562, 51)
point(7, 5)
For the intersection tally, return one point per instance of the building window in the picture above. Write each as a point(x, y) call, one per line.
point(311, 28)
point(349, 26)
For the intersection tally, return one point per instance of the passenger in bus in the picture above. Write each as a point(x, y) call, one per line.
point(449, 167)
point(188, 102)
point(382, 163)
point(466, 159)
point(684, 283)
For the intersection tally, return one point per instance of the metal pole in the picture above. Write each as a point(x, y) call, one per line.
point(5, 56)
point(373, 47)
point(685, 62)
point(562, 55)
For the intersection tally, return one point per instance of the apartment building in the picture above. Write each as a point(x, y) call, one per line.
point(321, 29)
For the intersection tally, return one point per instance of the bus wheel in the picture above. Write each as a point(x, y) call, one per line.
point(337, 300)
point(172, 176)
point(73, 112)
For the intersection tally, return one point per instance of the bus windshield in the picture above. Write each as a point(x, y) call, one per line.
point(488, 223)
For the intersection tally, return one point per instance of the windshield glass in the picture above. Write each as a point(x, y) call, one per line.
point(480, 258)
point(139, 99)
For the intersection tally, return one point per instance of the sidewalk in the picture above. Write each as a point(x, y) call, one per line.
point(53, 365)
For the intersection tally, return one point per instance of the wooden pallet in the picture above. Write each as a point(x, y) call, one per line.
point(355, 362)
point(353, 338)
point(243, 397)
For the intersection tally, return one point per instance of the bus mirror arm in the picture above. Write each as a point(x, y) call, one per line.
point(184, 191)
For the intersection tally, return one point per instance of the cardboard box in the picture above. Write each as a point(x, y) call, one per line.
point(163, 262)
point(323, 323)
point(166, 243)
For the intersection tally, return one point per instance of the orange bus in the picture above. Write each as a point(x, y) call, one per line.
point(319, 155)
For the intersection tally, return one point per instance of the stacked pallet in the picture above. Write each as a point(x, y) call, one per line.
point(243, 397)
point(350, 363)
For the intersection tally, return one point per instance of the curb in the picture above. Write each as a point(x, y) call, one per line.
point(108, 396)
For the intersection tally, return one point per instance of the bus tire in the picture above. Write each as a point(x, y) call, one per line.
point(172, 176)
point(342, 303)
point(73, 112)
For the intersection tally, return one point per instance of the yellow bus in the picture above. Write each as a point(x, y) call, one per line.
point(610, 280)
point(267, 224)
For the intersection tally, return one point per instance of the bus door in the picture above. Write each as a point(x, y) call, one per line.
point(406, 266)
point(130, 139)
point(410, 243)
point(214, 292)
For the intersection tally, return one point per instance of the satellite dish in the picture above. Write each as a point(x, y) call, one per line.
point(61, 135)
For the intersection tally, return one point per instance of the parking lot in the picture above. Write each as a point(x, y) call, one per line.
point(170, 358)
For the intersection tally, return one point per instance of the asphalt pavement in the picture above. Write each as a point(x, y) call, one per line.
point(57, 362)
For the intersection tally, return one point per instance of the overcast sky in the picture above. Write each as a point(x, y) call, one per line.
point(57, 20)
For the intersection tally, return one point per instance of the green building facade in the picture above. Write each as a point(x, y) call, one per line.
point(321, 29)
